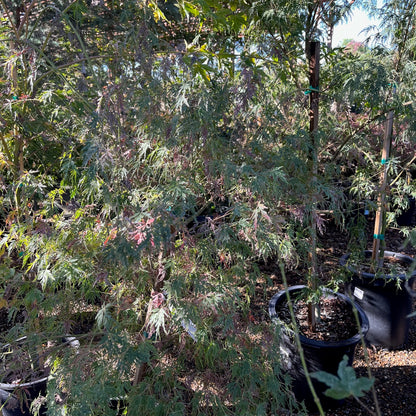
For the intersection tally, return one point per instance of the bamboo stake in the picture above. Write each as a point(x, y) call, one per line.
point(380, 221)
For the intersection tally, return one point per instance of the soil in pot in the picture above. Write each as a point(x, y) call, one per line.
point(21, 363)
point(336, 321)
point(323, 349)
point(386, 298)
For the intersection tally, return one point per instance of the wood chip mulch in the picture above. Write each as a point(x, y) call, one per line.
point(394, 370)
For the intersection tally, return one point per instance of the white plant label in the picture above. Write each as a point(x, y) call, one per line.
point(358, 293)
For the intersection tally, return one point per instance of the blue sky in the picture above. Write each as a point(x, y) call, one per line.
point(351, 29)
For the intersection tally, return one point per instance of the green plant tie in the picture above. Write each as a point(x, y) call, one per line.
point(15, 97)
point(311, 89)
point(384, 161)
point(379, 236)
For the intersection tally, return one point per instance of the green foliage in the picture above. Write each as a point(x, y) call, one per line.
point(345, 383)
point(161, 150)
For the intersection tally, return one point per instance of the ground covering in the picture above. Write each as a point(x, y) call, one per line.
point(393, 370)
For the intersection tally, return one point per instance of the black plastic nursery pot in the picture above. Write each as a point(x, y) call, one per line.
point(385, 298)
point(16, 398)
point(119, 404)
point(407, 217)
point(319, 355)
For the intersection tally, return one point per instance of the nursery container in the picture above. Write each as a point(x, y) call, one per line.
point(407, 217)
point(385, 298)
point(17, 398)
point(319, 355)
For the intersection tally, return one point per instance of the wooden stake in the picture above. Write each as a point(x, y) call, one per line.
point(380, 226)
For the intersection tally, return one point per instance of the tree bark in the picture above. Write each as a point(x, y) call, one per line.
point(314, 56)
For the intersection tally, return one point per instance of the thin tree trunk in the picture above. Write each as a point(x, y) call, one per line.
point(314, 55)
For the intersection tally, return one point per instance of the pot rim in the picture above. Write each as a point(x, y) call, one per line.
point(364, 323)
point(10, 387)
point(387, 254)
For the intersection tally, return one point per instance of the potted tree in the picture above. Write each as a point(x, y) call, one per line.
point(317, 354)
point(384, 287)
point(307, 350)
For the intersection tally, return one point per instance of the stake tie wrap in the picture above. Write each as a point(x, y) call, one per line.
point(384, 161)
point(311, 89)
point(379, 236)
